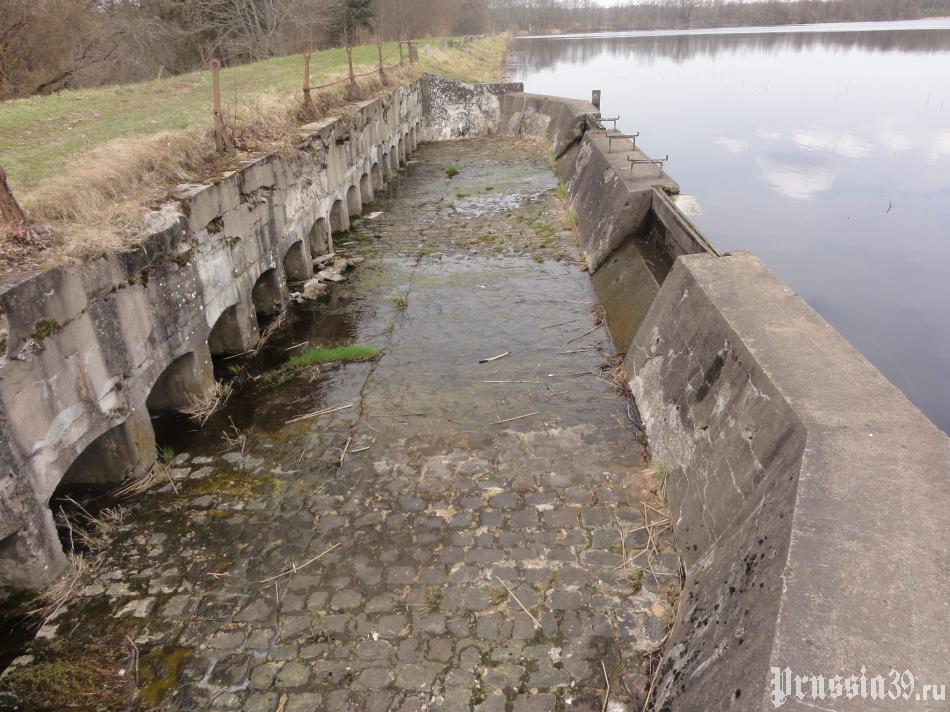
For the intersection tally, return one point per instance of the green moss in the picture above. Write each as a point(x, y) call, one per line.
point(70, 671)
point(45, 328)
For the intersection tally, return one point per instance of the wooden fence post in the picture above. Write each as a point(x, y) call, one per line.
point(382, 70)
point(307, 100)
point(222, 137)
point(349, 59)
point(10, 210)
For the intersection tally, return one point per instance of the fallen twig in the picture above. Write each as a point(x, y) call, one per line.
point(294, 569)
point(607, 680)
point(538, 383)
point(537, 623)
point(517, 417)
point(495, 358)
point(346, 448)
point(586, 333)
point(319, 412)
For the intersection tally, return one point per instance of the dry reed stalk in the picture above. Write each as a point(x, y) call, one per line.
point(202, 407)
point(49, 602)
point(272, 328)
point(159, 472)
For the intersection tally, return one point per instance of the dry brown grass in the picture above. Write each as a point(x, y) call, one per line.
point(157, 474)
point(97, 203)
point(76, 576)
point(202, 407)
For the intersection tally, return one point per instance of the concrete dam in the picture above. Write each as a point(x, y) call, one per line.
point(477, 516)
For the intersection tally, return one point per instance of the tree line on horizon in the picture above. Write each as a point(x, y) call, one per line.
point(50, 45)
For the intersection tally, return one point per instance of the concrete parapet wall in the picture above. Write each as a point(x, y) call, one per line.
point(808, 495)
point(458, 110)
point(92, 349)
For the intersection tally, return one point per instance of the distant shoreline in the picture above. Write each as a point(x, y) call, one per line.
point(922, 24)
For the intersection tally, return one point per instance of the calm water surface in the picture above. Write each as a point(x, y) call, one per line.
point(825, 150)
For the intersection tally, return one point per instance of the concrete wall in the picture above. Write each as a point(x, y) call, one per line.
point(809, 497)
point(92, 349)
point(458, 110)
point(620, 208)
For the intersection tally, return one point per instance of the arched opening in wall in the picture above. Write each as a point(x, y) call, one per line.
point(297, 264)
point(181, 382)
point(339, 220)
point(376, 175)
point(267, 294)
point(320, 238)
point(394, 160)
point(402, 151)
point(366, 190)
point(387, 167)
point(353, 204)
point(234, 332)
point(111, 458)
point(415, 138)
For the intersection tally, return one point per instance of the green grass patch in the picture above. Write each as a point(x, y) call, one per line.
point(399, 299)
point(451, 170)
point(39, 133)
point(340, 353)
point(315, 357)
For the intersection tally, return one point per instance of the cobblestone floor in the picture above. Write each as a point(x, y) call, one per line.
point(467, 564)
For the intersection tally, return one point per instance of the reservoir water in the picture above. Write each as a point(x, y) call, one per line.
point(824, 149)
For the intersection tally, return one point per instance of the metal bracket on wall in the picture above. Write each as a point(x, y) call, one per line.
point(658, 162)
point(610, 138)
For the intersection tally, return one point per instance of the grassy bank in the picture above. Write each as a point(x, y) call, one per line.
point(87, 161)
point(39, 134)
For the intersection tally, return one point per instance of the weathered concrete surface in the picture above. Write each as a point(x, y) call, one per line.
point(435, 509)
point(561, 122)
point(673, 232)
point(457, 110)
point(612, 202)
point(809, 495)
point(91, 350)
point(626, 285)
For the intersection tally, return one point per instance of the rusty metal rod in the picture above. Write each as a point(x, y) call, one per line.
point(611, 137)
point(644, 161)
